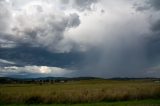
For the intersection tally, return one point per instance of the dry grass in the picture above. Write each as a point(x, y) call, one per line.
point(80, 92)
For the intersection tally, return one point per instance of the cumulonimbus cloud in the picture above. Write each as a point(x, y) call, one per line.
point(118, 37)
point(36, 23)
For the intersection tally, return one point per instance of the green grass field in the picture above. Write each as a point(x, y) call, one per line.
point(86, 93)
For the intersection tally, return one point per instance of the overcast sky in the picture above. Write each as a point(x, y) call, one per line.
point(70, 38)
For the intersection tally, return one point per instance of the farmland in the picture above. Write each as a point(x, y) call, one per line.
point(81, 92)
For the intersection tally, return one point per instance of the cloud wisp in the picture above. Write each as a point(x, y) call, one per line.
point(38, 71)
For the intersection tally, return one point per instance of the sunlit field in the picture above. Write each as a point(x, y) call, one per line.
point(81, 92)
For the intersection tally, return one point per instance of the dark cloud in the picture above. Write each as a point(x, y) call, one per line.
point(73, 20)
point(148, 4)
point(153, 43)
point(80, 5)
point(84, 4)
point(23, 55)
point(156, 26)
point(154, 3)
point(152, 50)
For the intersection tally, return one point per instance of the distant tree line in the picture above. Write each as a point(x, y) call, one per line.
point(30, 81)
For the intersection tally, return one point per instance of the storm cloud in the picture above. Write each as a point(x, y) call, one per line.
point(155, 4)
point(37, 23)
point(104, 38)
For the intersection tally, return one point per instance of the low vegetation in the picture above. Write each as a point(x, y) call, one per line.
point(72, 92)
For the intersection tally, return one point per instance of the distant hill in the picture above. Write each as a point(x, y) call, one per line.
point(125, 78)
point(4, 80)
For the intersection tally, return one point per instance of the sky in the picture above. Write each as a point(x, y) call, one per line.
point(72, 38)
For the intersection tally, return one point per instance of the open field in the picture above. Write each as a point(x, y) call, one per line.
point(95, 92)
